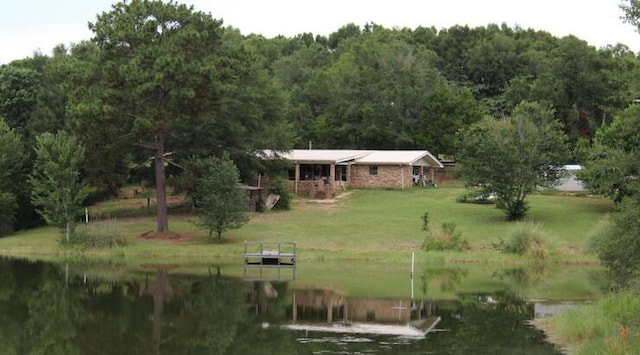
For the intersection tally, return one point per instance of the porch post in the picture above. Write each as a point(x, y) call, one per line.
point(332, 173)
point(297, 178)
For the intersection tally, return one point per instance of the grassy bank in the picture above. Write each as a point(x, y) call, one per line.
point(359, 225)
point(609, 326)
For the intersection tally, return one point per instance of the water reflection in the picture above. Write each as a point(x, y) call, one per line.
point(48, 308)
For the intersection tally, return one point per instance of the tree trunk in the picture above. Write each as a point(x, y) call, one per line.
point(161, 195)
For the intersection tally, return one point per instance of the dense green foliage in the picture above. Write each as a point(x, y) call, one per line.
point(526, 150)
point(12, 158)
point(618, 245)
point(611, 168)
point(611, 165)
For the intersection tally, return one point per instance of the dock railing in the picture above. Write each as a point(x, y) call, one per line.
point(269, 255)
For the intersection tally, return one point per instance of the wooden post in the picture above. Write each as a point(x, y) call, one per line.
point(297, 178)
point(433, 175)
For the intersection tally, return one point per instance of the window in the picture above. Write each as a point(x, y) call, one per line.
point(373, 170)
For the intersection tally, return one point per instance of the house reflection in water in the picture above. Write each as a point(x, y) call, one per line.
point(326, 310)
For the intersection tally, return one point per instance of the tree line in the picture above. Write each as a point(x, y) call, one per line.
point(162, 84)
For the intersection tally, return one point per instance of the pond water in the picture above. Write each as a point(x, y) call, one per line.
point(113, 308)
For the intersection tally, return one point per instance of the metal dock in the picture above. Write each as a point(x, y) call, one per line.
point(269, 255)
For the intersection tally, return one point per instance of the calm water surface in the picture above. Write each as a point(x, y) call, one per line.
point(108, 308)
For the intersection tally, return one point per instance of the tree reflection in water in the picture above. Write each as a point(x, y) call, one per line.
point(89, 309)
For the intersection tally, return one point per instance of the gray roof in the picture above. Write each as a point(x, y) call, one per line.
point(368, 157)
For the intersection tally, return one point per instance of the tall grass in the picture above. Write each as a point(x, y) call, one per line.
point(446, 238)
point(106, 234)
point(528, 239)
point(609, 326)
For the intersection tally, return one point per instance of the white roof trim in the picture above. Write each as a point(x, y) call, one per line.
point(369, 157)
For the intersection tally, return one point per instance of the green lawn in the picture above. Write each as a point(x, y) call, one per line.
point(362, 224)
point(384, 220)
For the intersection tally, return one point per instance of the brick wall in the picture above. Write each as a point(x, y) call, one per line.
point(389, 176)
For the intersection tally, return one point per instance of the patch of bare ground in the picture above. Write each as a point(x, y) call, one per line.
point(569, 250)
point(327, 204)
point(173, 237)
point(396, 246)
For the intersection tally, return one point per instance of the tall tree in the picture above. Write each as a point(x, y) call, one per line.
point(220, 202)
point(513, 156)
point(57, 191)
point(11, 160)
point(160, 57)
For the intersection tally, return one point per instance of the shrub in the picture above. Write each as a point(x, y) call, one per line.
point(98, 235)
point(279, 187)
point(516, 209)
point(527, 239)
point(477, 197)
point(618, 246)
point(447, 238)
point(425, 221)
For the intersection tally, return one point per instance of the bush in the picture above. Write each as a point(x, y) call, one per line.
point(477, 197)
point(516, 209)
point(98, 235)
point(447, 238)
point(618, 246)
point(527, 239)
point(425, 221)
point(279, 187)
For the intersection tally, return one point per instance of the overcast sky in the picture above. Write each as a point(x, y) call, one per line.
point(31, 25)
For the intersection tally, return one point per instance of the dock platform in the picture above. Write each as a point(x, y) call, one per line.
point(269, 255)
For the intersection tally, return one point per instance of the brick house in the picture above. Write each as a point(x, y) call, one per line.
point(321, 173)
